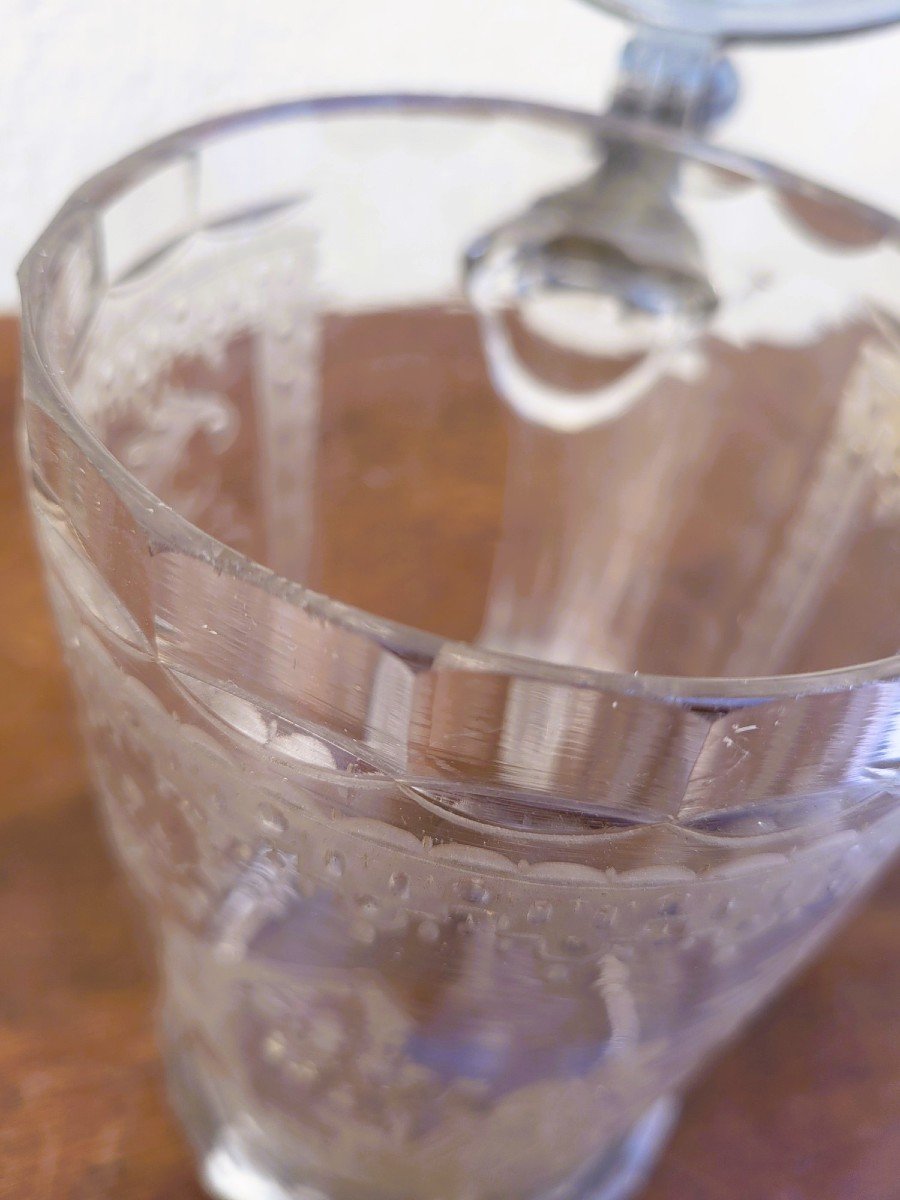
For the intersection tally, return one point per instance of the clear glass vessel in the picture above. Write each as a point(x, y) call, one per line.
point(465, 577)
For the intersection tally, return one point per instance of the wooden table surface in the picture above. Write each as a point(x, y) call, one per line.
point(805, 1107)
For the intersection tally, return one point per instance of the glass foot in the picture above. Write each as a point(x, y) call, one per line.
point(624, 1170)
point(226, 1174)
point(234, 1165)
point(229, 1175)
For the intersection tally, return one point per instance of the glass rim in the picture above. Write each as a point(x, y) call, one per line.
point(166, 524)
point(752, 21)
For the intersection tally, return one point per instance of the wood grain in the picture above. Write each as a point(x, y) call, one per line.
point(805, 1107)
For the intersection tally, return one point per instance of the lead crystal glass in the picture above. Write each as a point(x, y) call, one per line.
point(466, 611)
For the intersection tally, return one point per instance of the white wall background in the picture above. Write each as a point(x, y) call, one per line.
point(83, 81)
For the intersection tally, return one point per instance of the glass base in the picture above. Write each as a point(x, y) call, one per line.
point(229, 1169)
point(624, 1170)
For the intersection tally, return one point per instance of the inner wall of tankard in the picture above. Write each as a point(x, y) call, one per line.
point(304, 375)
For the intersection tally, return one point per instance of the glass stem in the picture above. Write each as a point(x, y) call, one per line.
point(679, 80)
